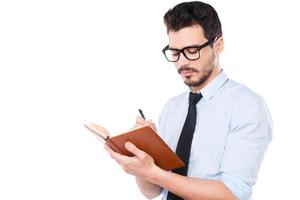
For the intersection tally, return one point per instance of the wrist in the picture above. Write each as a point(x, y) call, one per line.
point(156, 175)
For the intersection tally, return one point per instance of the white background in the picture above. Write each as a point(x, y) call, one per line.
point(65, 62)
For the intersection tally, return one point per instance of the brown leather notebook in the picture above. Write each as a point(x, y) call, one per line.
point(146, 139)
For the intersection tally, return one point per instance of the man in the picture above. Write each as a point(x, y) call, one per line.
point(219, 127)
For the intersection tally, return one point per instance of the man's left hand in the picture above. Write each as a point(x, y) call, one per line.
point(140, 165)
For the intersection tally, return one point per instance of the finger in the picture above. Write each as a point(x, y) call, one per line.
point(141, 120)
point(118, 157)
point(136, 151)
point(150, 123)
point(108, 149)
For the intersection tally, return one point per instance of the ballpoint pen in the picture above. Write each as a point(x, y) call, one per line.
point(142, 114)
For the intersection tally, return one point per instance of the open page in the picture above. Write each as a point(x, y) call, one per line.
point(98, 130)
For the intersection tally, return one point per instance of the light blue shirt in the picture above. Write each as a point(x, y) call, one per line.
point(232, 133)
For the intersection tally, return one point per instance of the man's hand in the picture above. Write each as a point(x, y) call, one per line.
point(140, 122)
point(140, 165)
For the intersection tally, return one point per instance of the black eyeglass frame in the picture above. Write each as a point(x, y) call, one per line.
point(199, 47)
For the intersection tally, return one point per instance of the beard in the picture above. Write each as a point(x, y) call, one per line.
point(206, 72)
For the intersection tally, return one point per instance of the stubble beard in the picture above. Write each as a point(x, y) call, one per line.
point(206, 73)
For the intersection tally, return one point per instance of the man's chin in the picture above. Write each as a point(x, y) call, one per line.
point(190, 83)
point(193, 82)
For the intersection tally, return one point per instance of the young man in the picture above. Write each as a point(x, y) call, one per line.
point(219, 128)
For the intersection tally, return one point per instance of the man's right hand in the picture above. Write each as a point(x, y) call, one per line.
point(140, 122)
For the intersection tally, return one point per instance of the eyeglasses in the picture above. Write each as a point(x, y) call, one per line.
point(190, 52)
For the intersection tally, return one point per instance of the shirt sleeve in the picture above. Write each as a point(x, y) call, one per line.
point(248, 138)
point(162, 119)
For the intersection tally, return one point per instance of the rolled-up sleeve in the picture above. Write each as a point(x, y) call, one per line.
point(248, 138)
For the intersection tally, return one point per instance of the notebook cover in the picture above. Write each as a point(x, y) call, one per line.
point(146, 139)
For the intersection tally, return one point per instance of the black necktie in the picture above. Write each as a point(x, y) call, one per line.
point(185, 140)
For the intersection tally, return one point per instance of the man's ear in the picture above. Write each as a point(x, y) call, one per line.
point(219, 45)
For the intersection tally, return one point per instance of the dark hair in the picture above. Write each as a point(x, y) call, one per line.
point(194, 13)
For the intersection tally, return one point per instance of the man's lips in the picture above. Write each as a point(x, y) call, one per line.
point(187, 72)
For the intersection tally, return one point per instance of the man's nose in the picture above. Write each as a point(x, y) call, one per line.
point(182, 61)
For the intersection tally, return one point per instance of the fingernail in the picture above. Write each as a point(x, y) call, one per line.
point(128, 145)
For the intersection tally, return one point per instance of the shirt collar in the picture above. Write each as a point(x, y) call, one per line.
point(211, 88)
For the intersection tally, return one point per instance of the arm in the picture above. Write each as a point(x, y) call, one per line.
point(143, 167)
point(149, 190)
point(194, 188)
point(248, 138)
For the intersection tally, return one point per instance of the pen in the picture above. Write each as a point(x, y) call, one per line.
point(142, 114)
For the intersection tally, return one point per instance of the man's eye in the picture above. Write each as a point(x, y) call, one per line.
point(192, 50)
point(175, 53)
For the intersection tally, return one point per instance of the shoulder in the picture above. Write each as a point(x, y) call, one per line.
point(238, 92)
point(242, 96)
point(238, 97)
point(247, 105)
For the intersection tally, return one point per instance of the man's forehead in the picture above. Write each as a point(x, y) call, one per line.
point(187, 36)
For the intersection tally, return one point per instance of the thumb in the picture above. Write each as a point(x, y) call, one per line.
point(134, 150)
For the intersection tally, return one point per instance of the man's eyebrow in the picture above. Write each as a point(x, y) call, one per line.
point(172, 48)
point(192, 45)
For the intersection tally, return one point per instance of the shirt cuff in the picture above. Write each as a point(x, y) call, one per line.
point(237, 186)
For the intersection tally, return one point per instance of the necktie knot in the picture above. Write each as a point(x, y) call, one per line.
point(194, 98)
